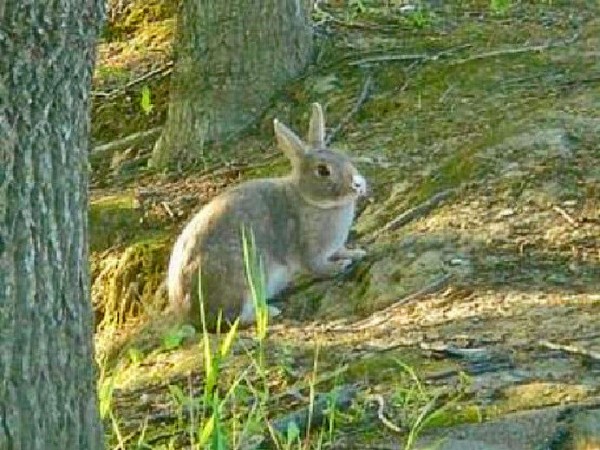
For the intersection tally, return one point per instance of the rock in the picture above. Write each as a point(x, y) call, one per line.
point(518, 431)
point(460, 444)
point(579, 430)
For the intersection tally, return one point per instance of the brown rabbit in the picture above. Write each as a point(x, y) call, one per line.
point(300, 223)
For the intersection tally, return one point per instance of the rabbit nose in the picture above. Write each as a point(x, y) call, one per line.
point(359, 184)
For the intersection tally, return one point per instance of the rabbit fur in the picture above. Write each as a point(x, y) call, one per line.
point(300, 224)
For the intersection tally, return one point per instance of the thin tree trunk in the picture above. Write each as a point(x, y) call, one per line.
point(231, 57)
point(47, 379)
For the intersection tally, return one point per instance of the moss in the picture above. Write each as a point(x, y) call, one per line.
point(384, 368)
point(137, 15)
point(137, 40)
point(456, 415)
point(128, 259)
point(538, 394)
point(112, 220)
point(122, 115)
point(110, 75)
point(127, 283)
point(275, 168)
point(458, 169)
point(115, 222)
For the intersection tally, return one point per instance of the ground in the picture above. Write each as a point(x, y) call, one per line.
point(472, 323)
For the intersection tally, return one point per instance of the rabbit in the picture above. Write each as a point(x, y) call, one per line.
point(300, 224)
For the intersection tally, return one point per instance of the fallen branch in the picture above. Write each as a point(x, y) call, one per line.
point(390, 58)
point(415, 57)
point(104, 149)
point(423, 58)
point(412, 214)
point(571, 349)
point(364, 95)
point(435, 57)
point(515, 51)
point(163, 71)
point(225, 168)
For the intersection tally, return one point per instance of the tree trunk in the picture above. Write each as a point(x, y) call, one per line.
point(231, 57)
point(47, 379)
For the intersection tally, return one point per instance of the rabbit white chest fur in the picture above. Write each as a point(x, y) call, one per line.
point(325, 231)
point(299, 222)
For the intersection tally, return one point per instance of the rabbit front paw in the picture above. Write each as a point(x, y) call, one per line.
point(248, 314)
point(350, 253)
point(273, 311)
point(343, 264)
point(330, 268)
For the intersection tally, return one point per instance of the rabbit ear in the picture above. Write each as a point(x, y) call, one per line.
point(316, 129)
point(289, 142)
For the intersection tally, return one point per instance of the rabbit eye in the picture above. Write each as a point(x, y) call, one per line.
point(323, 170)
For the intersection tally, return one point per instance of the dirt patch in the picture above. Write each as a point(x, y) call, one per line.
point(490, 293)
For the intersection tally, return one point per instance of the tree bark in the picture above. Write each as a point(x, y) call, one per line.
point(47, 379)
point(231, 57)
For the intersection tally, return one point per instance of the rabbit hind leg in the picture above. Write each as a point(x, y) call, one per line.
point(248, 315)
point(278, 277)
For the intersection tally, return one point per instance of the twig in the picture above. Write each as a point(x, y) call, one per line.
point(571, 349)
point(167, 208)
point(102, 150)
point(224, 168)
point(593, 79)
point(364, 95)
point(341, 400)
point(407, 78)
point(443, 97)
point(565, 215)
point(515, 51)
point(328, 17)
point(377, 161)
point(388, 58)
point(163, 71)
point(385, 314)
point(429, 408)
point(413, 213)
point(415, 57)
point(431, 58)
point(381, 415)
point(431, 288)
point(321, 379)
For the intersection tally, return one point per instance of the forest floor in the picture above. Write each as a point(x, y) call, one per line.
point(473, 322)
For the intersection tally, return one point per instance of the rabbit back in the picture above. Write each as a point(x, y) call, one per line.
point(212, 244)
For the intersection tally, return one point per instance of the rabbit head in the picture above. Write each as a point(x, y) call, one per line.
point(325, 178)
